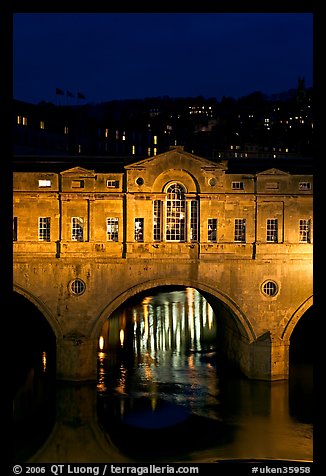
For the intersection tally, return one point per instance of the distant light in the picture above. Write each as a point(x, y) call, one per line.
point(44, 359)
point(101, 343)
point(122, 337)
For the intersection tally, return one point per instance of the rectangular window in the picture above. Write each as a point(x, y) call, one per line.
point(112, 183)
point(77, 184)
point(240, 230)
point(19, 120)
point(139, 229)
point(15, 229)
point(42, 125)
point(212, 229)
point(304, 186)
point(66, 130)
point(193, 220)
point(44, 229)
point(272, 230)
point(271, 186)
point(304, 230)
point(77, 229)
point(112, 229)
point(44, 183)
point(237, 186)
point(24, 121)
point(157, 220)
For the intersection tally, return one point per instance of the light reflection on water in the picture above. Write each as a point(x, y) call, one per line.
point(163, 383)
point(161, 395)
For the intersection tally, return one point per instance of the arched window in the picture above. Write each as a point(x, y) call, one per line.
point(175, 213)
point(176, 218)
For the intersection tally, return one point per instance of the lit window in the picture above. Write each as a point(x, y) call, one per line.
point(304, 231)
point(175, 213)
point(44, 229)
point(24, 121)
point(112, 229)
point(19, 120)
point(193, 220)
point(240, 230)
point(42, 125)
point(77, 229)
point(106, 133)
point(212, 229)
point(112, 183)
point(139, 229)
point(44, 183)
point(237, 186)
point(133, 149)
point(272, 230)
point(157, 220)
point(155, 150)
point(155, 140)
point(66, 130)
point(149, 151)
point(79, 148)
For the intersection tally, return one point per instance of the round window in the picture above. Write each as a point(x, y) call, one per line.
point(212, 182)
point(77, 287)
point(269, 288)
point(139, 181)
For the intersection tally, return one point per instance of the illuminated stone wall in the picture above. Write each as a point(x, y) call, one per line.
point(233, 273)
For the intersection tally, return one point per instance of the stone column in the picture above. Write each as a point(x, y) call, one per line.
point(269, 358)
point(76, 358)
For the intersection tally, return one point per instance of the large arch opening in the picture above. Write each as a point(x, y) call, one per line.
point(33, 364)
point(160, 369)
point(301, 359)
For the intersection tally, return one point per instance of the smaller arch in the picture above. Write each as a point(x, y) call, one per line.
point(41, 307)
point(294, 319)
point(175, 175)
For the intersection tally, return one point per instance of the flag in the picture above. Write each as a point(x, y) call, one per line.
point(69, 94)
point(59, 91)
point(80, 96)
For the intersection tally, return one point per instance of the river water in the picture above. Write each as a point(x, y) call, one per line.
point(164, 395)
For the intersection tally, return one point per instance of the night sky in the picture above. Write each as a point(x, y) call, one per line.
point(108, 56)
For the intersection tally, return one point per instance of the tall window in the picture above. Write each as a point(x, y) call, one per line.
point(193, 220)
point(15, 229)
point(272, 230)
point(175, 213)
point(44, 229)
point(139, 229)
point(112, 229)
point(212, 229)
point(240, 230)
point(77, 229)
point(304, 231)
point(157, 217)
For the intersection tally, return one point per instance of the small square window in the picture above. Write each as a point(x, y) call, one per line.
point(44, 183)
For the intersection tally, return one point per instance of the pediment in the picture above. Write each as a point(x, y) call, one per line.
point(79, 172)
point(175, 156)
point(273, 171)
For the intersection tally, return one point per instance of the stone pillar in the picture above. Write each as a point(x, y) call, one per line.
point(76, 358)
point(269, 358)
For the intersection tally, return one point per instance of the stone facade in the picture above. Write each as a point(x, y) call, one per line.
point(84, 242)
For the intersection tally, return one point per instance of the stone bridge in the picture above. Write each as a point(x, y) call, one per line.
point(86, 242)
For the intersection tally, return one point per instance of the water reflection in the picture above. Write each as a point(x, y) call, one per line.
point(162, 394)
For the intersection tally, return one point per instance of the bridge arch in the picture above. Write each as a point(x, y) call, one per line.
point(41, 307)
point(243, 324)
point(294, 319)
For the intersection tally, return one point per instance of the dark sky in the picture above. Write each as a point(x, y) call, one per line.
point(109, 56)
